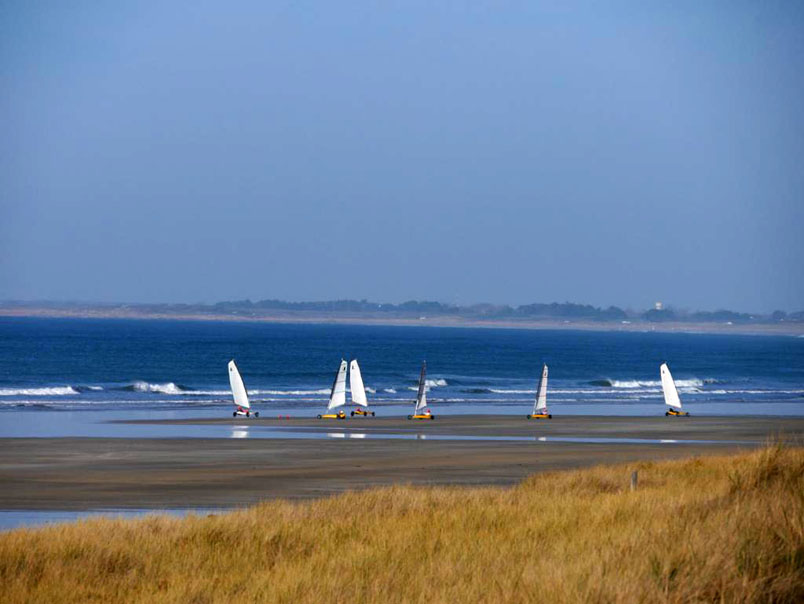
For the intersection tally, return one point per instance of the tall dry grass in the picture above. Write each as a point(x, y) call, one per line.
point(725, 529)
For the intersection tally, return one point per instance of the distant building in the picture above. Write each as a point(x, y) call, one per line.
point(658, 306)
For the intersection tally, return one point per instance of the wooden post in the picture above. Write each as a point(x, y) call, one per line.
point(634, 480)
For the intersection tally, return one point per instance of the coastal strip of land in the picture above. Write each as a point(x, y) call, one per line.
point(791, 328)
point(150, 473)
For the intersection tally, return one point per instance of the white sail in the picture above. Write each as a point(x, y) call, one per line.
point(421, 395)
point(356, 385)
point(540, 406)
point(669, 387)
point(238, 387)
point(421, 402)
point(337, 397)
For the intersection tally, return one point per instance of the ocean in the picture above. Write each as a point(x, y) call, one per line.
point(161, 368)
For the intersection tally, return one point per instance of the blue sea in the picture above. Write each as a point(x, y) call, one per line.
point(163, 368)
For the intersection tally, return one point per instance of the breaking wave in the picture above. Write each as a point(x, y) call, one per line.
point(430, 384)
point(176, 389)
point(48, 391)
point(762, 392)
point(289, 392)
point(167, 388)
point(690, 383)
point(496, 391)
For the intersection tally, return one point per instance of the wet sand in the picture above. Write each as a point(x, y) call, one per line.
point(103, 473)
point(659, 427)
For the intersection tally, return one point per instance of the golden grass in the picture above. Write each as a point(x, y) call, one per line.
point(717, 529)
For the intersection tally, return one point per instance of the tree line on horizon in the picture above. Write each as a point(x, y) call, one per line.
point(554, 310)
point(566, 311)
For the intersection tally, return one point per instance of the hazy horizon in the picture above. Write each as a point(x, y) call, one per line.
point(627, 307)
point(507, 153)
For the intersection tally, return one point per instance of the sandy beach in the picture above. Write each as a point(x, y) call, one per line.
point(104, 473)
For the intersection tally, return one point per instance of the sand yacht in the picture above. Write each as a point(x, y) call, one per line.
point(420, 409)
point(337, 396)
point(540, 404)
point(358, 391)
point(242, 404)
point(671, 398)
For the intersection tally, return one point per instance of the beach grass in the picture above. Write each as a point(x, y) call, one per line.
point(708, 529)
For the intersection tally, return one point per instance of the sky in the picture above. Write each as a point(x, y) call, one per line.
point(506, 152)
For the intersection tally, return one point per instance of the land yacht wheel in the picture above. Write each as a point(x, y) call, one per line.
point(353, 413)
point(256, 414)
point(318, 416)
point(234, 414)
point(410, 417)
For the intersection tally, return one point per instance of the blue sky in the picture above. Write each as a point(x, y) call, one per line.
point(494, 151)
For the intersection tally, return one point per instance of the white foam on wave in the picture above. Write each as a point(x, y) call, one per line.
point(172, 388)
point(606, 391)
point(291, 392)
point(690, 383)
point(389, 390)
point(47, 391)
point(429, 385)
point(257, 392)
point(769, 392)
point(167, 388)
point(504, 391)
point(633, 384)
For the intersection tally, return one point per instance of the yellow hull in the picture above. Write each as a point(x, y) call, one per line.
point(363, 413)
point(422, 416)
point(673, 412)
point(540, 416)
point(340, 415)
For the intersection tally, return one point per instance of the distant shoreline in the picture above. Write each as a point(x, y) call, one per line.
point(291, 317)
